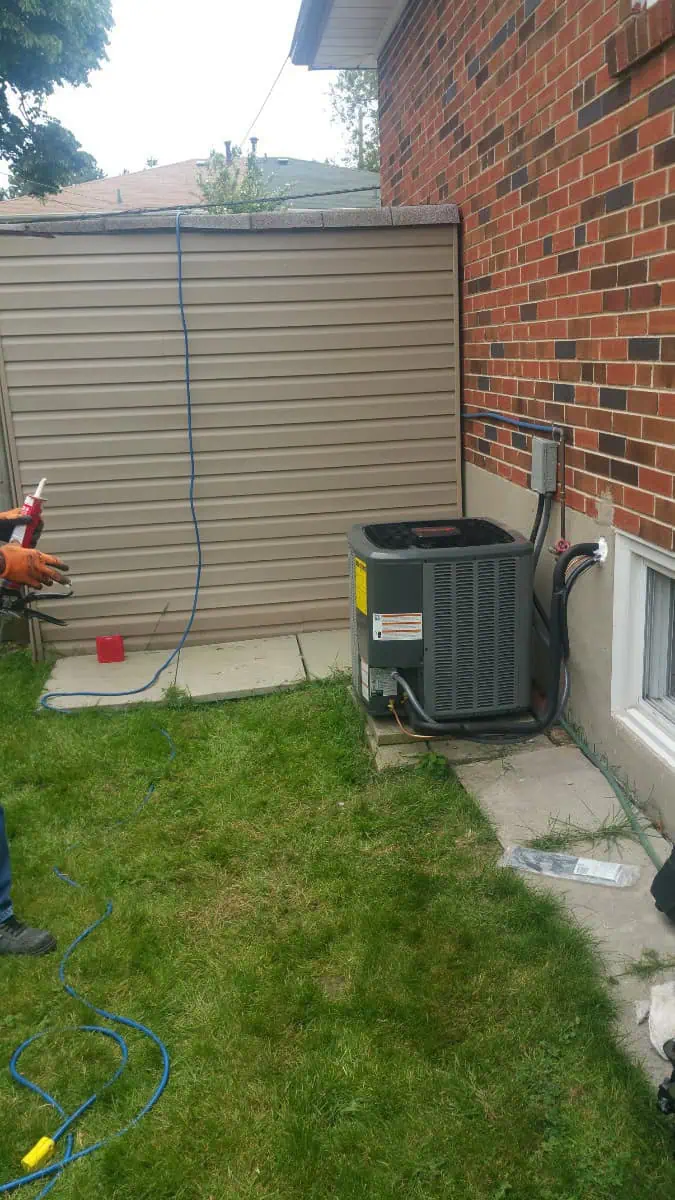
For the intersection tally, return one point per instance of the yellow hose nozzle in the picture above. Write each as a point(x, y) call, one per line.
point(40, 1154)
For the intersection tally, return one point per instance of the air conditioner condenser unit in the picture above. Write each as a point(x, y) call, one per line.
point(448, 605)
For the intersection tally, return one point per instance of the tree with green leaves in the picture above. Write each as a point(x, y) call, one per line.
point(354, 105)
point(69, 165)
point(234, 183)
point(43, 45)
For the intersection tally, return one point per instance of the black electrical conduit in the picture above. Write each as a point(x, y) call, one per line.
point(561, 588)
point(541, 528)
point(538, 516)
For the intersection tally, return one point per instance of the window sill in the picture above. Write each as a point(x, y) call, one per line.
point(653, 730)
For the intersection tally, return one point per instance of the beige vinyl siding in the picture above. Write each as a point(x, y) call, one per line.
point(324, 368)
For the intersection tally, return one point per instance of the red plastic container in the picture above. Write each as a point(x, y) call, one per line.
point(110, 649)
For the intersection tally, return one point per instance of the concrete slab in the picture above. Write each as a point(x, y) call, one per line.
point(409, 755)
point(223, 671)
point(231, 670)
point(383, 731)
point(522, 794)
point(404, 750)
point(458, 752)
point(326, 652)
point(625, 923)
point(85, 673)
point(398, 754)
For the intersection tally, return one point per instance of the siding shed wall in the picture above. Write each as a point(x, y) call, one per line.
point(324, 371)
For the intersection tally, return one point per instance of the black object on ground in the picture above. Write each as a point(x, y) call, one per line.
point(666, 1097)
point(663, 888)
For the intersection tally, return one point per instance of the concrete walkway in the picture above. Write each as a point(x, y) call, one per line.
point(222, 672)
point(530, 788)
point(524, 793)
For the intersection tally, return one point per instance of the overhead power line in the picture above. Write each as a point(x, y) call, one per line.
point(70, 208)
point(166, 208)
point(248, 131)
point(50, 197)
point(265, 102)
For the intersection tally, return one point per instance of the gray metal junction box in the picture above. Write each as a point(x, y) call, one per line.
point(449, 605)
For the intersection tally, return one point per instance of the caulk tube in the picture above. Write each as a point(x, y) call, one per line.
point(23, 534)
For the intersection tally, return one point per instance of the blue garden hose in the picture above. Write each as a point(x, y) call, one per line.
point(51, 1173)
point(42, 1152)
point(45, 701)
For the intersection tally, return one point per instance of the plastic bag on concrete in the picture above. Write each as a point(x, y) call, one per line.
point(569, 866)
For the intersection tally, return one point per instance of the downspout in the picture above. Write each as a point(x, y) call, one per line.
point(459, 373)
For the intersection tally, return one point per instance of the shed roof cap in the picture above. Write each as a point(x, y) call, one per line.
point(348, 218)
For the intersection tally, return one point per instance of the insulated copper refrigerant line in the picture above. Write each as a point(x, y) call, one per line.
point(37, 1163)
point(591, 552)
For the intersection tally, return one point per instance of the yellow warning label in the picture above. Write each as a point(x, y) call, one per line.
point(361, 585)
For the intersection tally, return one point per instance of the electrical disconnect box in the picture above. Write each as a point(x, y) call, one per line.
point(544, 466)
point(448, 604)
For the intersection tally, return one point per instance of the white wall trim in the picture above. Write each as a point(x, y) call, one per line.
point(646, 725)
point(632, 558)
point(389, 26)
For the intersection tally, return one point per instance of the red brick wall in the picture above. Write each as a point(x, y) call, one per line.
point(555, 136)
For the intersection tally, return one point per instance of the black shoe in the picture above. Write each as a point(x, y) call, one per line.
point(17, 938)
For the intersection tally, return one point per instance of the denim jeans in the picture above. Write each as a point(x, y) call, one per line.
point(5, 872)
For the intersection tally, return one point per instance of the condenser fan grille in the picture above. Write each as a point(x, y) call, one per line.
point(474, 665)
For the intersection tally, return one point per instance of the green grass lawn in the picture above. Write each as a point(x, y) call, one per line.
point(358, 1004)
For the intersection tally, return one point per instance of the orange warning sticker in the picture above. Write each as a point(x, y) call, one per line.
point(397, 627)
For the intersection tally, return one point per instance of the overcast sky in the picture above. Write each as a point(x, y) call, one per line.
point(184, 75)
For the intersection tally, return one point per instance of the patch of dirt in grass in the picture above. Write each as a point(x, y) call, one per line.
point(334, 987)
point(229, 905)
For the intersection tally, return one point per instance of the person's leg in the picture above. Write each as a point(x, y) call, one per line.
point(5, 872)
point(15, 937)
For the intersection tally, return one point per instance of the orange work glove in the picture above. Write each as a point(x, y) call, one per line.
point(8, 521)
point(30, 567)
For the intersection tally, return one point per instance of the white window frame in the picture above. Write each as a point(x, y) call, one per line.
point(632, 560)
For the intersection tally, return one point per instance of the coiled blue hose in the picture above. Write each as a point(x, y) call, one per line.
point(50, 1174)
